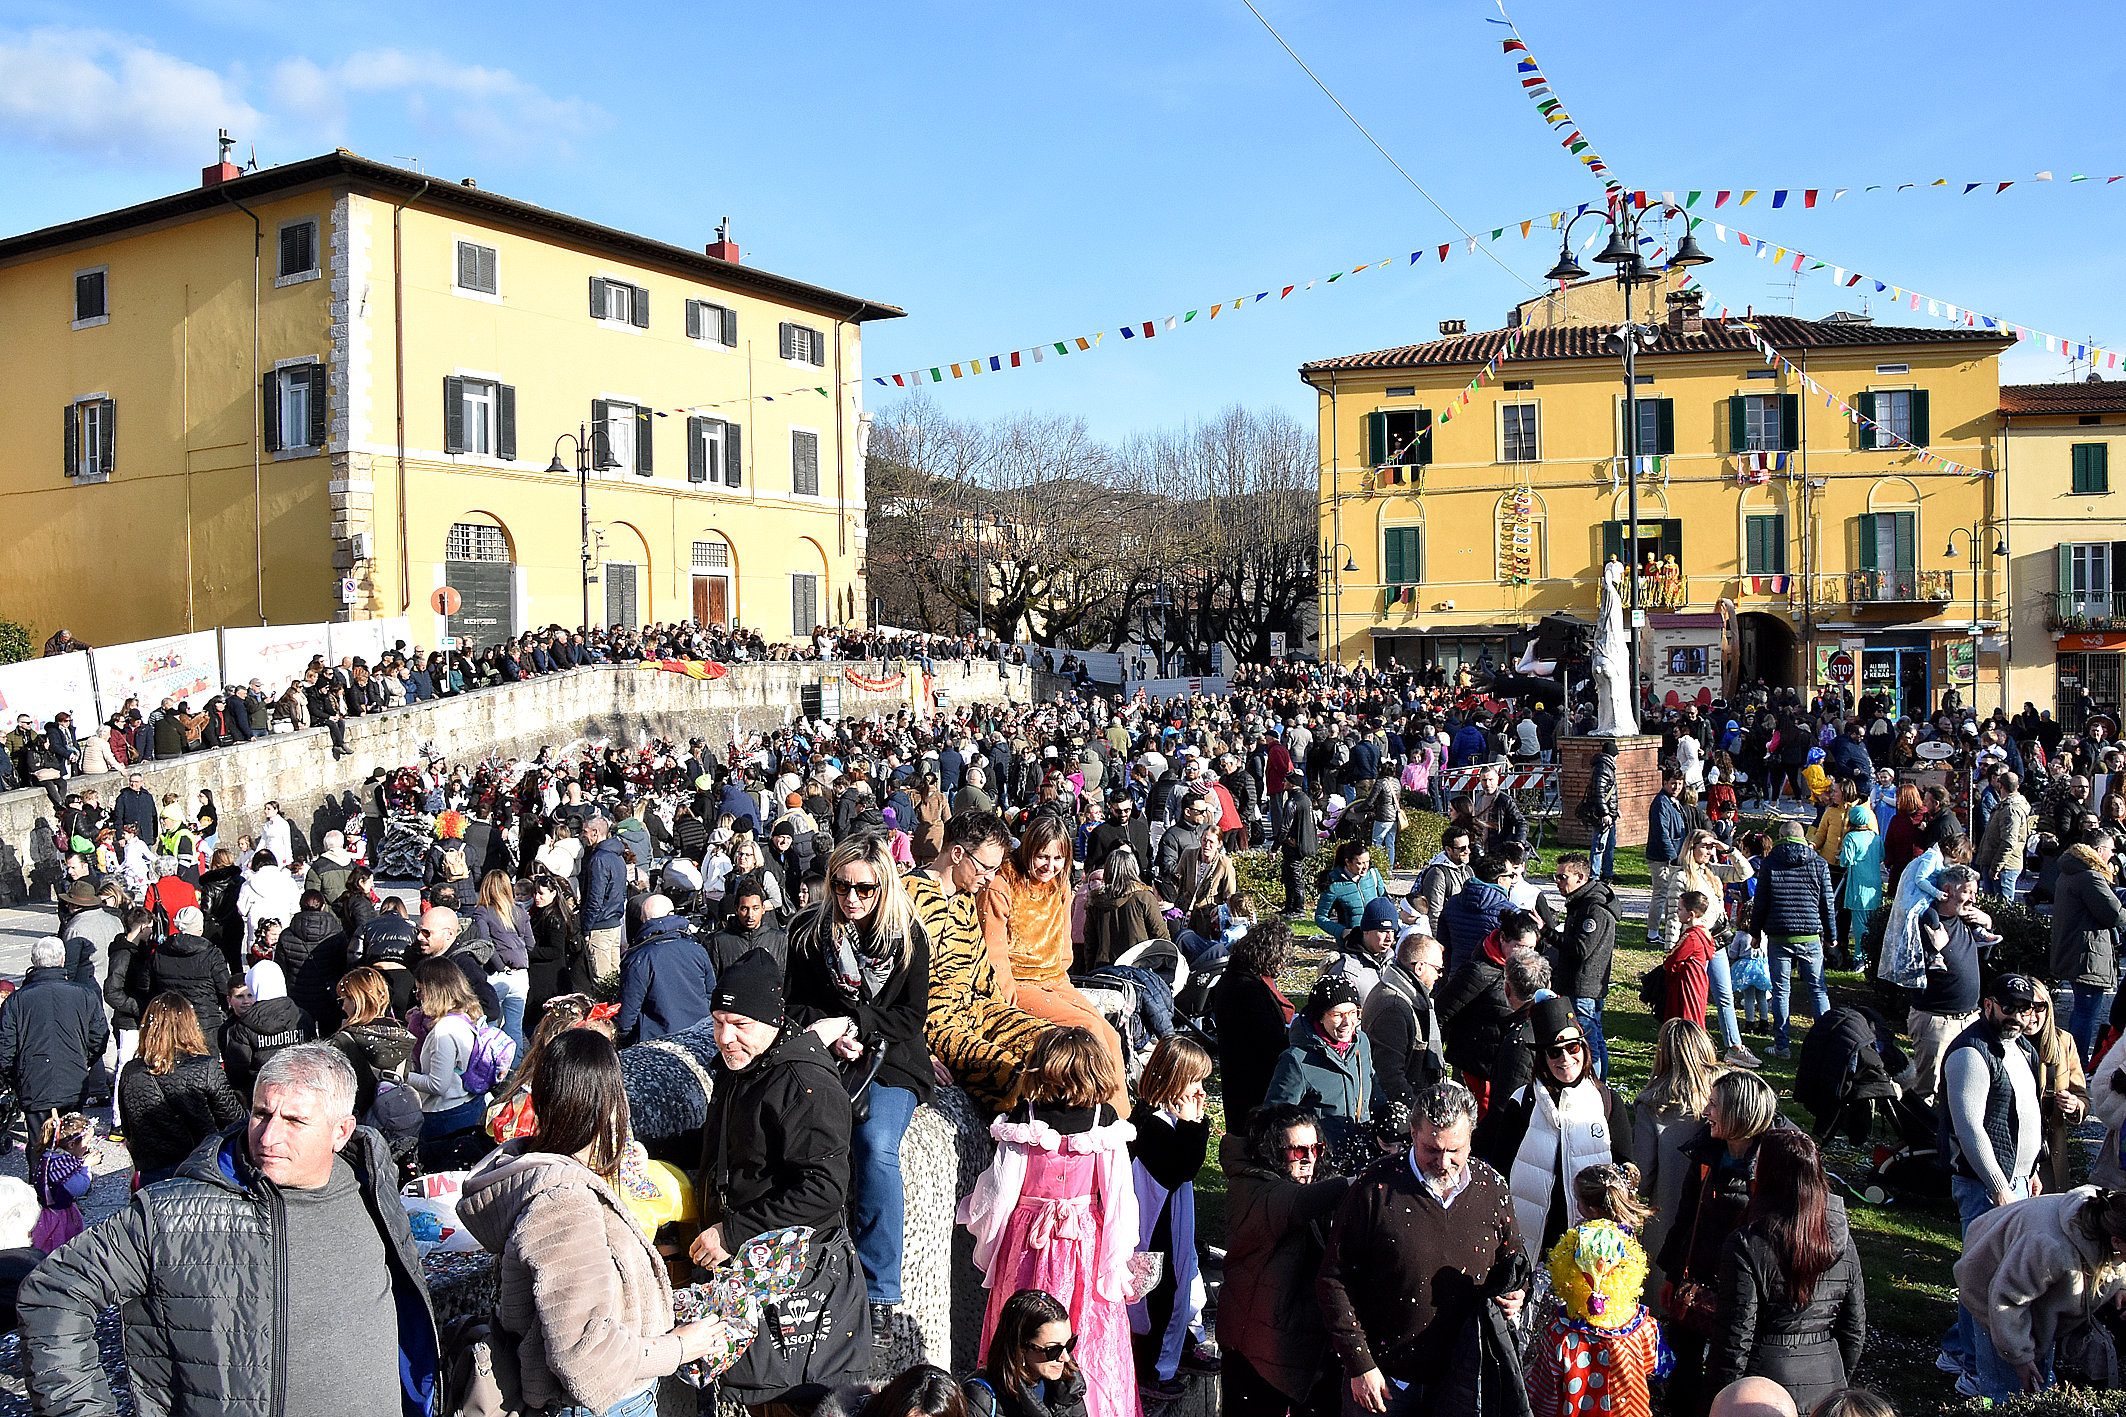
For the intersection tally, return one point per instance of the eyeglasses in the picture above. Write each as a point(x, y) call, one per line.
point(1566, 1049)
point(862, 890)
point(1310, 1152)
point(1054, 1352)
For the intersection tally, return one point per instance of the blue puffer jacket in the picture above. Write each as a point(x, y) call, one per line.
point(665, 982)
point(1467, 917)
point(1664, 829)
point(1343, 903)
point(605, 887)
point(1794, 893)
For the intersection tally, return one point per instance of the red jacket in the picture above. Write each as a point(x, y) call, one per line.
point(1688, 986)
point(1277, 765)
point(1228, 810)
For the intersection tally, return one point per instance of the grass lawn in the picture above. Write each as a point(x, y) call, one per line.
point(1907, 1249)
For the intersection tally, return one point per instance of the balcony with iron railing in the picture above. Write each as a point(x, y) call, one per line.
point(2080, 610)
point(1900, 587)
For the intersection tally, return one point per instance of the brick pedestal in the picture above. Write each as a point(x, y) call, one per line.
point(1638, 780)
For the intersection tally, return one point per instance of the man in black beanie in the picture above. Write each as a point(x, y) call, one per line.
point(775, 1153)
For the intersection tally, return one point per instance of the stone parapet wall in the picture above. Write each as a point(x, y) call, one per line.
point(623, 704)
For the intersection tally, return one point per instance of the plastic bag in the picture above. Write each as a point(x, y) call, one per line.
point(431, 1204)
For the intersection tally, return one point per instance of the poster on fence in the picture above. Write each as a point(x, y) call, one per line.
point(176, 666)
point(272, 654)
point(367, 640)
point(43, 687)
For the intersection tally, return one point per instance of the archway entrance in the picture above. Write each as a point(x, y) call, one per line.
point(478, 566)
point(1764, 649)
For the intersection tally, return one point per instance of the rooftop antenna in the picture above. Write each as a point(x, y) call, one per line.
point(226, 142)
point(412, 162)
point(254, 159)
point(1793, 293)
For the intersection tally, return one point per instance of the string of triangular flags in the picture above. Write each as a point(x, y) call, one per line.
point(1807, 197)
point(1884, 437)
point(1483, 376)
point(1544, 96)
point(1803, 262)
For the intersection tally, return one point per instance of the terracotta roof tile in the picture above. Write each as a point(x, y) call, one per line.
point(1591, 342)
point(2106, 397)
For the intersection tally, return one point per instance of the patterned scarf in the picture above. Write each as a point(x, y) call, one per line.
point(861, 967)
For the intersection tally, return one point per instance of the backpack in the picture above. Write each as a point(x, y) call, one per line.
point(492, 1057)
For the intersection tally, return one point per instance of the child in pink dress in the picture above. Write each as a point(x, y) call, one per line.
point(1057, 1211)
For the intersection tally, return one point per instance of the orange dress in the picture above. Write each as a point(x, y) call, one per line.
point(1026, 931)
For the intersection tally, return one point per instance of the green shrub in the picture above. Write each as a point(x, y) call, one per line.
point(2026, 940)
point(2055, 1402)
point(17, 642)
point(1261, 872)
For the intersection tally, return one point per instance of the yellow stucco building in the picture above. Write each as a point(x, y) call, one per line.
point(1443, 541)
point(328, 389)
point(2067, 539)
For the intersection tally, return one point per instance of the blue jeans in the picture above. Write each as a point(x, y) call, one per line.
point(1967, 1340)
point(1720, 985)
point(2092, 1007)
point(1384, 836)
point(1589, 1012)
point(1785, 955)
point(642, 1404)
point(880, 1209)
point(513, 988)
point(1602, 853)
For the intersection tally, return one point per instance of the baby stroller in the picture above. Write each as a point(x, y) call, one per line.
point(1846, 1078)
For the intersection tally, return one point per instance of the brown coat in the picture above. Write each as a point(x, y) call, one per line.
point(928, 837)
point(579, 1284)
point(2059, 1070)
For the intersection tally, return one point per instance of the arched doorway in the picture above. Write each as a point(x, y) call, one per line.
point(1764, 649)
point(480, 566)
point(714, 572)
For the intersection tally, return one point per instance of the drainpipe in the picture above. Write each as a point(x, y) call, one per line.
point(258, 492)
point(398, 357)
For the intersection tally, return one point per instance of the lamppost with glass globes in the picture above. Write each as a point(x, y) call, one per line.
point(1632, 270)
point(2000, 548)
point(581, 438)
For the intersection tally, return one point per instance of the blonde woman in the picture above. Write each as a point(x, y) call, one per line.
point(1207, 876)
point(1672, 1102)
point(450, 1011)
point(1708, 865)
point(743, 858)
point(859, 977)
point(1025, 911)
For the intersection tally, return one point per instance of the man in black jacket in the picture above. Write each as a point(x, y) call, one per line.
point(1123, 827)
point(52, 1037)
point(1408, 1051)
point(136, 804)
point(775, 1153)
point(1584, 941)
point(1301, 838)
point(1603, 805)
point(275, 1272)
point(746, 927)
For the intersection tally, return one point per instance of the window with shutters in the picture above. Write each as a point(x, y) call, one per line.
point(801, 344)
point(804, 605)
point(91, 442)
point(714, 454)
point(92, 297)
point(1659, 537)
point(1402, 558)
point(620, 304)
point(2092, 468)
point(804, 462)
point(712, 324)
point(620, 436)
point(476, 541)
point(1764, 545)
point(298, 253)
point(1886, 552)
point(293, 407)
point(1892, 418)
point(1517, 432)
point(474, 271)
point(2088, 579)
point(1399, 437)
point(480, 417)
point(1762, 429)
point(479, 404)
point(712, 556)
point(1657, 427)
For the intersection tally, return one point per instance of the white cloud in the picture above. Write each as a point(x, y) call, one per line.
point(109, 96)
point(118, 98)
point(491, 109)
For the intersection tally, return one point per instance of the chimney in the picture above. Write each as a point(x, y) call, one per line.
point(1454, 327)
point(1684, 312)
point(224, 170)
point(723, 248)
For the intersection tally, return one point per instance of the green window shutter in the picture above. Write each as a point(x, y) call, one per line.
point(642, 441)
point(506, 422)
point(601, 441)
point(1422, 456)
point(1671, 539)
point(1738, 424)
point(320, 425)
point(1414, 553)
point(785, 341)
point(1865, 404)
point(72, 421)
point(697, 449)
point(1665, 426)
point(1922, 426)
point(598, 301)
point(1376, 439)
point(730, 327)
point(270, 401)
point(1905, 530)
point(1612, 542)
point(107, 434)
point(2063, 568)
point(1789, 421)
point(453, 414)
point(731, 464)
point(693, 319)
point(2092, 468)
point(1865, 528)
point(1778, 535)
point(639, 308)
point(2100, 455)
point(1392, 568)
point(819, 348)
point(2078, 457)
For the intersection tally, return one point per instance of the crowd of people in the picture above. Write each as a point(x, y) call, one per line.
point(1435, 1195)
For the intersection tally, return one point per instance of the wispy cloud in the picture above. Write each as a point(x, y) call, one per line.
point(117, 98)
point(112, 97)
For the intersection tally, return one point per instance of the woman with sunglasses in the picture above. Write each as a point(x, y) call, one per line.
point(859, 977)
point(1280, 1198)
point(1031, 1369)
point(1541, 1136)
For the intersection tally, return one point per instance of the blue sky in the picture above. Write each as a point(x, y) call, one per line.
point(1013, 174)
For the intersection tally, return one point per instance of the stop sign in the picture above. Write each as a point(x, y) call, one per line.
point(1839, 668)
point(446, 602)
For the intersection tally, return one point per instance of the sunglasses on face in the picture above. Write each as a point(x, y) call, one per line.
point(1054, 1352)
point(1565, 1050)
point(862, 890)
point(1311, 1152)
